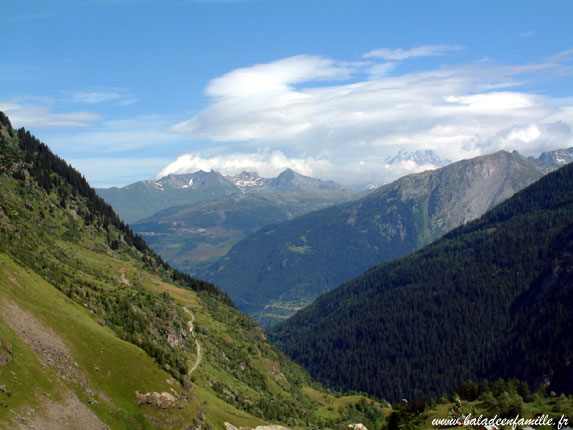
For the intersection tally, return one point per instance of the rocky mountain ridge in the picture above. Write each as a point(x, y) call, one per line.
point(142, 199)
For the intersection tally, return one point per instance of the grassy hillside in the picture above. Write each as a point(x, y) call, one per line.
point(95, 327)
point(284, 267)
point(492, 298)
point(192, 237)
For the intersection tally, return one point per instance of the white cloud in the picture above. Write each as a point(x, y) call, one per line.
point(94, 97)
point(533, 138)
point(26, 115)
point(369, 169)
point(277, 76)
point(527, 34)
point(459, 111)
point(268, 164)
point(381, 70)
point(325, 118)
point(419, 51)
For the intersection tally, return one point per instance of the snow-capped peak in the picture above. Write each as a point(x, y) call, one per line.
point(425, 157)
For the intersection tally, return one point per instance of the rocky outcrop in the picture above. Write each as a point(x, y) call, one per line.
point(162, 400)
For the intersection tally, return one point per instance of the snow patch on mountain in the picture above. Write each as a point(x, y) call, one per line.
point(248, 181)
point(557, 158)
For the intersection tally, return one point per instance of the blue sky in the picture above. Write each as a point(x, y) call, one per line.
point(127, 90)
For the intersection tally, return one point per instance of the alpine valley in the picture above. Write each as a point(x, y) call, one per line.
point(282, 268)
point(98, 331)
point(197, 217)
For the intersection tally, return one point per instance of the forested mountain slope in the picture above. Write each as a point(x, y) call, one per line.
point(283, 267)
point(491, 298)
point(96, 330)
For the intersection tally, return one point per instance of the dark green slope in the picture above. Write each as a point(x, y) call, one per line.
point(282, 268)
point(491, 298)
point(192, 237)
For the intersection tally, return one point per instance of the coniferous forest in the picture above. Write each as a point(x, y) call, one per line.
point(490, 299)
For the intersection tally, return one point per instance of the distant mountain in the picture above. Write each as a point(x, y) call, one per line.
point(418, 158)
point(284, 267)
point(288, 180)
point(194, 219)
point(490, 299)
point(249, 182)
point(142, 199)
point(557, 158)
point(193, 236)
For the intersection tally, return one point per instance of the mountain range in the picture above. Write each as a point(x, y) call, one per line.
point(193, 219)
point(97, 331)
point(142, 199)
point(288, 180)
point(282, 268)
point(490, 299)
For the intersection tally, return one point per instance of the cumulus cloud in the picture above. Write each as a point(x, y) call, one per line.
point(365, 112)
point(533, 138)
point(264, 96)
point(268, 164)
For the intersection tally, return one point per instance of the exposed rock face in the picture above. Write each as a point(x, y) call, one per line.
point(357, 426)
point(160, 400)
point(176, 339)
